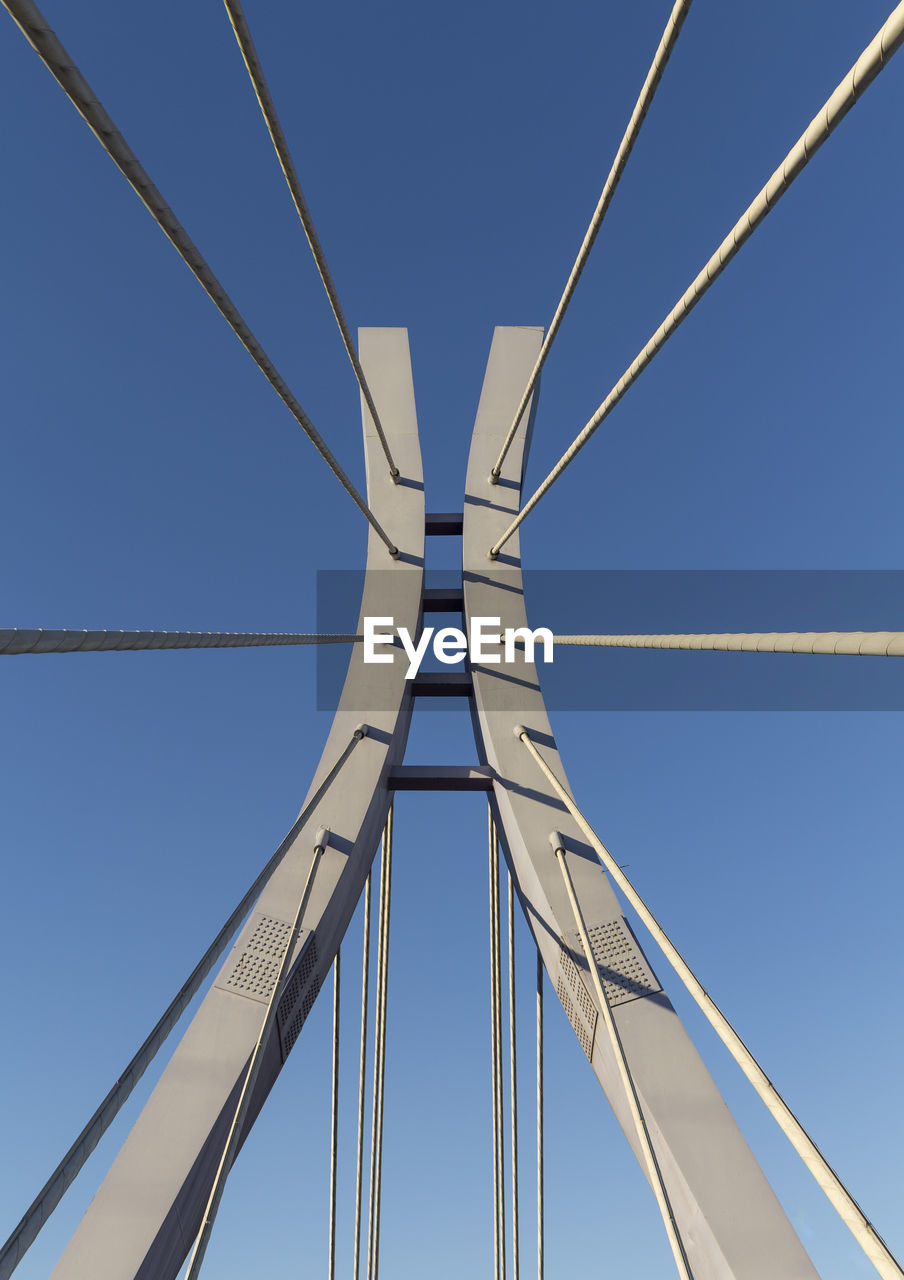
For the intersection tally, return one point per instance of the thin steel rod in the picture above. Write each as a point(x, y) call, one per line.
point(513, 1073)
point(334, 1117)
point(501, 1072)
point(384, 991)
point(540, 1242)
point(374, 1101)
point(72, 1162)
point(254, 1065)
point(22, 640)
point(883, 644)
point(362, 1078)
point(641, 107)
point(42, 39)
point(496, 1000)
point(494, 1065)
point(268, 110)
point(856, 1220)
point(865, 69)
point(654, 1173)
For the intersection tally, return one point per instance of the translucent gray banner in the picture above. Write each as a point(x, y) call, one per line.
point(665, 602)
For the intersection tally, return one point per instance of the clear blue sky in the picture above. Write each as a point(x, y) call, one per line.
point(151, 478)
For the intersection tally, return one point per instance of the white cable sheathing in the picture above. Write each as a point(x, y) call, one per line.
point(626, 146)
point(874, 644)
point(841, 1199)
point(876, 56)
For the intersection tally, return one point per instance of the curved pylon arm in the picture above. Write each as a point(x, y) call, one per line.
point(706, 1166)
point(149, 1208)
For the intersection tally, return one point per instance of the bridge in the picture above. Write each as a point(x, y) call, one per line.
point(587, 930)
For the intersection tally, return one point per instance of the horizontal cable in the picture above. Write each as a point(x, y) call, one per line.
point(56, 1185)
point(42, 39)
point(641, 107)
point(845, 1205)
point(23, 640)
point(265, 101)
point(882, 644)
point(866, 68)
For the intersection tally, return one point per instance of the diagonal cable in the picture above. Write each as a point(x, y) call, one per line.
point(246, 1095)
point(654, 1172)
point(876, 56)
point(42, 39)
point(841, 1199)
point(50, 1195)
point(626, 146)
point(265, 101)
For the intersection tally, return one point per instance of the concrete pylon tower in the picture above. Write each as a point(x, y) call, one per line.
point(150, 1207)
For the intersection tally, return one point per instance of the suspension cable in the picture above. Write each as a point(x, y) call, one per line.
point(859, 1225)
point(496, 1048)
point(540, 1259)
point(234, 1136)
point(50, 1195)
point(882, 644)
point(654, 1173)
point(268, 110)
point(513, 1073)
point(18, 640)
point(383, 1003)
point(876, 56)
point(371, 1207)
point(42, 39)
point(362, 1078)
point(641, 107)
point(376, 1137)
point(334, 1118)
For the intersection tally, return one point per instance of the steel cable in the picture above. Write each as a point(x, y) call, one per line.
point(846, 1206)
point(234, 1136)
point(334, 1117)
point(654, 1172)
point(513, 1073)
point(268, 110)
point(55, 1187)
point(376, 1137)
point(876, 56)
point(22, 640)
point(626, 146)
point(362, 1078)
point(876, 644)
point(43, 40)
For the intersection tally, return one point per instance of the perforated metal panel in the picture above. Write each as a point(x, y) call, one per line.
point(258, 958)
point(621, 963)
point(290, 1033)
point(298, 980)
point(576, 1002)
point(299, 996)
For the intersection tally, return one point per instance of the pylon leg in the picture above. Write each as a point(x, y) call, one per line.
point(729, 1219)
point(144, 1218)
